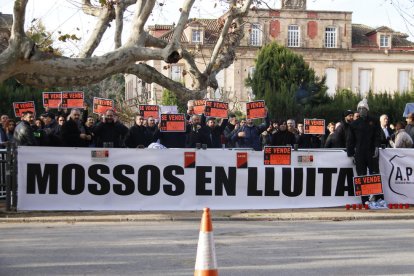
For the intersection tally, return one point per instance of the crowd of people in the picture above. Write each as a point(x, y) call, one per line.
point(78, 129)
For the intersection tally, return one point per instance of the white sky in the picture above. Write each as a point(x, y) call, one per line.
point(65, 15)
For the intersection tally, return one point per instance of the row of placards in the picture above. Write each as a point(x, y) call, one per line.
point(73, 99)
point(364, 185)
point(217, 109)
point(70, 100)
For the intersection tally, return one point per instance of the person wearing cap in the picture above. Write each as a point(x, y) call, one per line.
point(341, 132)
point(363, 142)
point(409, 128)
point(51, 130)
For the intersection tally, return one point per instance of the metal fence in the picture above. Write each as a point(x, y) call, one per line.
point(8, 176)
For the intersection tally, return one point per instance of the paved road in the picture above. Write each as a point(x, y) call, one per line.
point(243, 248)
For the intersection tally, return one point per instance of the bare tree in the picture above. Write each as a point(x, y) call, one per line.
point(29, 65)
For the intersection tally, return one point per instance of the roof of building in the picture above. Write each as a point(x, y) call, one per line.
point(6, 21)
point(211, 30)
point(361, 36)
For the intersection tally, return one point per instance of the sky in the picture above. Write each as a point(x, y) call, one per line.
point(67, 17)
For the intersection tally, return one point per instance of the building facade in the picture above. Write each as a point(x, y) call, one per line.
point(352, 56)
point(6, 21)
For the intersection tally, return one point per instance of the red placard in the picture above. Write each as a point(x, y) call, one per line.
point(149, 110)
point(199, 106)
point(20, 107)
point(242, 160)
point(368, 185)
point(314, 126)
point(189, 159)
point(172, 123)
point(72, 99)
point(277, 155)
point(101, 105)
point(256, 110)
point(216, 109)
point(52, 99)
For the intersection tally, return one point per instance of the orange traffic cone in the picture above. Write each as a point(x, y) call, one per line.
point(206, 263)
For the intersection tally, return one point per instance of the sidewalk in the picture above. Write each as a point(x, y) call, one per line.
point(336, 214)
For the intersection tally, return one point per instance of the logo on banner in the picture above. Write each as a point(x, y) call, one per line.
point(305, 159)
point(242, 160)
point(400, 175)
point(100, 154)
point(189, 159)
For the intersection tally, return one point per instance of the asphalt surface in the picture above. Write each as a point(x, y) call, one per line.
point(336, 214)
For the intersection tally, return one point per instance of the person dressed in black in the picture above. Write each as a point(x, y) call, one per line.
point(151, 130)
point(52, 131)
point(194, 133)
point(283, 137)
point(137, 134)
point(306, 141)
point(230, 130)
point(212, 132)
point(72, 131)
point(386, 131)
point(110, 133)
point(341, 131)
point(23, 134)
point(364, 140)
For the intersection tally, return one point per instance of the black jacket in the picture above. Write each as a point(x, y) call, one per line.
point(384, 140)
point(136, 136)
point(53, 134)
point(23, 134)
point(70, 132)
point(363, 137)
point(283, 138)
point(212, 135)
point(342, 134)
point(110, 133)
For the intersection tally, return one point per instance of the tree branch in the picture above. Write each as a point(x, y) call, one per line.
point(151, 75)
point(119, 23)
point(142, 12)
point(105, 16)
point(90, 9)
point(174, 46)
point(234, 12)
point(19, 12)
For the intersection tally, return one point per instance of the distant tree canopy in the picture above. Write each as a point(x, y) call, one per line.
point(285, 81)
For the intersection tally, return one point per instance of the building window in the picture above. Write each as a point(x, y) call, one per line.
point(251, 71)
point(255, 35)
point(331, 80)
point(385, 41)
point(365, 81)
point(176, 73)
point(293, 36)
point(330, 37)
point(196, 36)
point(403, 81)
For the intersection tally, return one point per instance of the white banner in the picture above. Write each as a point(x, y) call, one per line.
point(151, 179)
point(397, 170)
